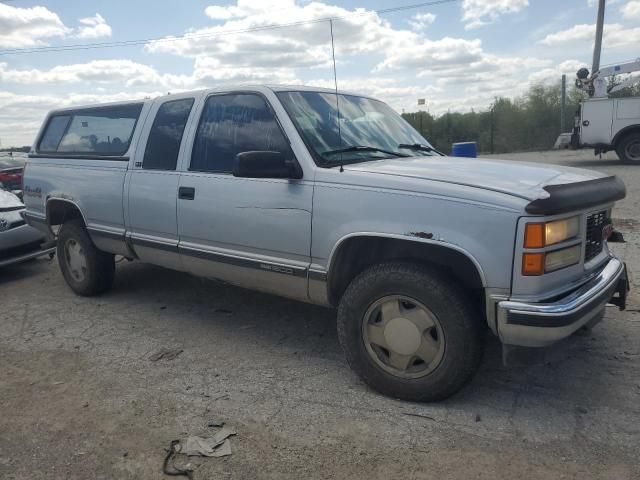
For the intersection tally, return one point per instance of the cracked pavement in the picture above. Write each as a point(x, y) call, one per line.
point(81, 398)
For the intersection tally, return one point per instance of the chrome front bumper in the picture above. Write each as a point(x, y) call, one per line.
point(541, 324)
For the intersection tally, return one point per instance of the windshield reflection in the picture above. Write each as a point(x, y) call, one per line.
point(364, 122)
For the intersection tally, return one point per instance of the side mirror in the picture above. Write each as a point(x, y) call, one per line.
point(265, 164)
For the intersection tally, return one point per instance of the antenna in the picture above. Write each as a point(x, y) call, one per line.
point(335, 82)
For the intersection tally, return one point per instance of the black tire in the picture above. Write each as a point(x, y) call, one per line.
point(99, 268)
point(459, 320)
point(628, 148)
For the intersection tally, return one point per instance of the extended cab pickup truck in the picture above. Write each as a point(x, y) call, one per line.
point(332, 199)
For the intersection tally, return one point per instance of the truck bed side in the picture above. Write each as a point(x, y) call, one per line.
point(94, 188)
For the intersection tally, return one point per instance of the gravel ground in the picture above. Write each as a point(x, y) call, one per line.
point(81, 398)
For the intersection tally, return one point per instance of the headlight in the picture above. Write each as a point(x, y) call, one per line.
point(562, 258)
point(545, 234)
point(539, 263)
point(561, 230)
point(539, 235)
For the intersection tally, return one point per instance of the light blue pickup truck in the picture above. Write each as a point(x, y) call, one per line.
point(332, 199)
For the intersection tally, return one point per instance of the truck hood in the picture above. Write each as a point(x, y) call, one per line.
point(520, 179)
point(8, 201)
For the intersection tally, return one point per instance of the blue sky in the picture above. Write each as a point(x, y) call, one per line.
point(458, 55)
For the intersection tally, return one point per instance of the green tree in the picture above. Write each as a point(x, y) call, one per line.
point(526, 123)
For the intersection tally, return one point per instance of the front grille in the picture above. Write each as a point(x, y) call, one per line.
point(595, 223)
point(17, 224)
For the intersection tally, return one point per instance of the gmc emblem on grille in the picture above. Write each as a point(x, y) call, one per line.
point(607, 230)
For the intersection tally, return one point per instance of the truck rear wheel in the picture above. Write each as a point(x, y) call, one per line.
point(87, 270)
point(409, 332)
point(628, 148)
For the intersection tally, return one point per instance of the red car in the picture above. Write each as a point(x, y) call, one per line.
point(11, 170)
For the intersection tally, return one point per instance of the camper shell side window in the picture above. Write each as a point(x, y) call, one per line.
point(99, 131)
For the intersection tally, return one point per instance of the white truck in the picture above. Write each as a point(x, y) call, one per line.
point(273, 188)
point(606, 123)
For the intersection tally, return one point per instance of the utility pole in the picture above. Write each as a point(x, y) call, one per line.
point(491, 126)
point(563, 103)
point(597, 48)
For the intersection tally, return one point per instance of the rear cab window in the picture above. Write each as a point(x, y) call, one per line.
point(101, 131)
point(165, 137)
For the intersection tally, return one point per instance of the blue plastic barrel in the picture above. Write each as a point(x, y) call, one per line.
point(464, 149)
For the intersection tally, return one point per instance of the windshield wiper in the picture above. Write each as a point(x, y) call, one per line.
point(419, 147)
point(363, 148)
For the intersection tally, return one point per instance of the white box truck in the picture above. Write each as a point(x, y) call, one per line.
point(605, 123)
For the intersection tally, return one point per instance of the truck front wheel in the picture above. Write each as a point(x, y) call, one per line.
point(87, 270)
point(409, 332)
point(628, 148)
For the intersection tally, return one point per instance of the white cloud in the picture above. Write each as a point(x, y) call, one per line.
point(249, 55)
point(94, 72)
point(554, 74)
point(580, 32)
point(209, 71)
point(94, 27)
point(476, 13)
point(356, 32)
point(631, 11)
point(307, 45)
point(615, 35)
point(245, 8)
point(28, 27)
point(432, 54)
point(206, 72)
point(216, 12)
point(421, 20)
point(304, 45)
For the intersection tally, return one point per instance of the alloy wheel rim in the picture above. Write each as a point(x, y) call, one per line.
point(403, 337)
point(76, 260)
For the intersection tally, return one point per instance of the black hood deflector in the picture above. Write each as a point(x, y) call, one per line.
point(570, 197)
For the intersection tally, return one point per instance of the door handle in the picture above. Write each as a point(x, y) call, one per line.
point(186, 193)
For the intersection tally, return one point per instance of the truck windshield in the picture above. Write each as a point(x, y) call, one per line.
point(369, 129)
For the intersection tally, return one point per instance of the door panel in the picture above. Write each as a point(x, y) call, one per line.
point(250, 232)
point(153, 185)
point(152, 213)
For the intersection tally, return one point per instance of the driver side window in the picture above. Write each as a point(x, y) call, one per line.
point(231, 124)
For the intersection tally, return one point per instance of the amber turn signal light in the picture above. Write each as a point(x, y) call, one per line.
point(533, 264)
point(534, 235)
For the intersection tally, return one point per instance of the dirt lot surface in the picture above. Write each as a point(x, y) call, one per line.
point(80, 397)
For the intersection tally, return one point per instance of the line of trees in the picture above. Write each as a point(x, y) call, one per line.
point(529, 122)
point(24, 149)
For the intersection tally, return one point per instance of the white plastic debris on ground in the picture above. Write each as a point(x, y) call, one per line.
point(218, 445)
